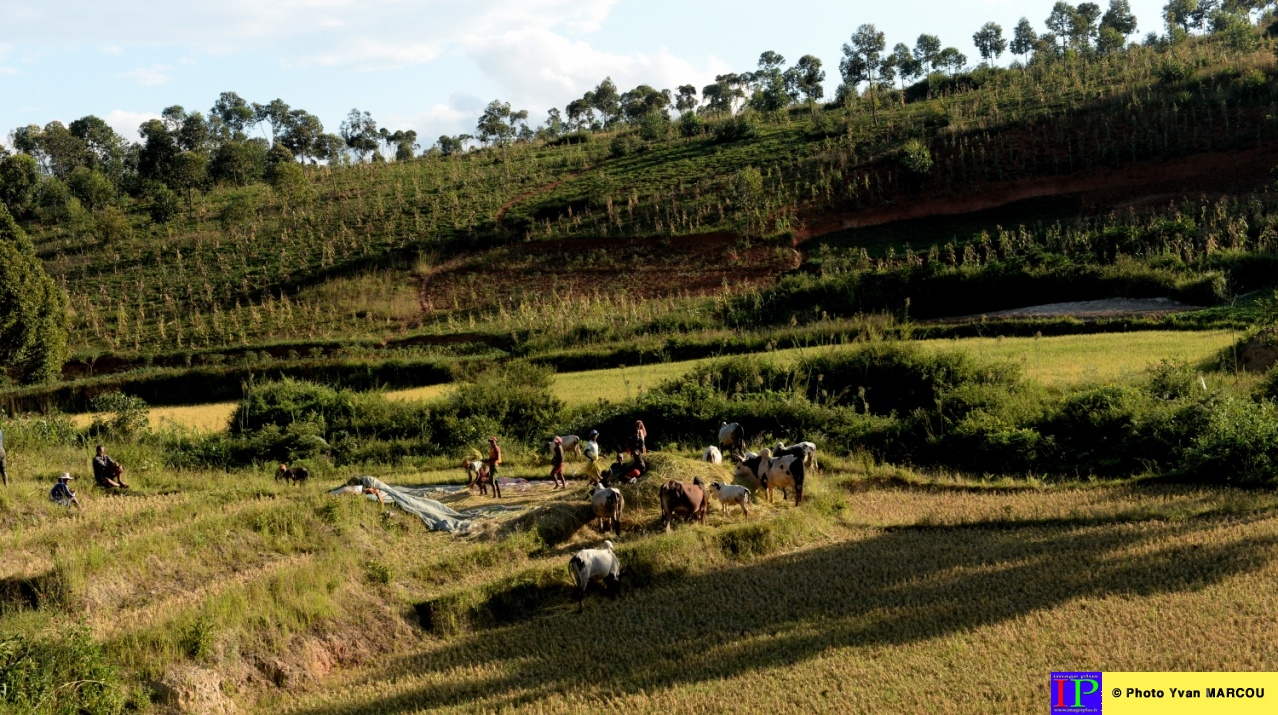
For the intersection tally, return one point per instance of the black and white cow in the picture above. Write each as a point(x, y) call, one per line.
point(770, 473)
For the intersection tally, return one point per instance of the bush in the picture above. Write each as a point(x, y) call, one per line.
point(737, 128)
point(916, 158)
point(691, 125)
point(1172, 71)
point(165, 204)
point(1238, 445)
point(66, 673)
point(93, 189)
point(624, 145)
point(129, 415)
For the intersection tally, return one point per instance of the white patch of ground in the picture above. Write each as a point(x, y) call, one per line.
point(1107, 308)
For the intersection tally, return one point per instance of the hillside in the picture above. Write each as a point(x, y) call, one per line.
point(392, 249)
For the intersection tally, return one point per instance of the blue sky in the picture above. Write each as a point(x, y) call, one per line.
point(428, 65)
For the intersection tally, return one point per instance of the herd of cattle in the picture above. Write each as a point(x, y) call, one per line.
point(783, 467)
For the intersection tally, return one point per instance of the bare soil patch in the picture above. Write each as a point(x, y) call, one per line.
point(1086, 310)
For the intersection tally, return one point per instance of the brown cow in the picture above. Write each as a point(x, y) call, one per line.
point(295, 475)
point(688, 500)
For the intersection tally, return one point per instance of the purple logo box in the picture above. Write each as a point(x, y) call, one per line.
point(1076, 693)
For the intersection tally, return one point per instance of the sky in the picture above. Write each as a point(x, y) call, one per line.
point(429, 65)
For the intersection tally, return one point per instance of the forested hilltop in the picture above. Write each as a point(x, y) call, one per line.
point(251, 224)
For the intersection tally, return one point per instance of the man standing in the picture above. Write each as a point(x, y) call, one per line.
point(107, 472)
point(494, 459)
point(557, 465)
point(4, 469)
point(62, 492)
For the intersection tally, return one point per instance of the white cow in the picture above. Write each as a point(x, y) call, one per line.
point(712, 455)
point(608, 504)
point(731, 494)
point(595, 565)
point(572, 443)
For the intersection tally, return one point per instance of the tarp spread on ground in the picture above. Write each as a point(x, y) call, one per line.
point(435, 515)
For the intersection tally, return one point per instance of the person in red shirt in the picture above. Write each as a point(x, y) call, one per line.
point(494, 459)
point(557, 465)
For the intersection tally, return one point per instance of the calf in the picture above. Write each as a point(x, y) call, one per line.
point(732, 438)
point(771, 473)
point(680, 499)
point(572, 443)
point(296, 475)
point(595, 565)
point(807, 450)
point(712, 455)
point(608, 505)
point(731, 494)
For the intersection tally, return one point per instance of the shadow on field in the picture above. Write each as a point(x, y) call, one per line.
point(890, 589)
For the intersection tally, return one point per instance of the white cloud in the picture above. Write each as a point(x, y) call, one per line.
point(126, 123)
point(114, 50)
point(149, 76)
point(7, 70)
point(536, 66)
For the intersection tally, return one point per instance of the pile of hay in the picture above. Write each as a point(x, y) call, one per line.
point(645, 494)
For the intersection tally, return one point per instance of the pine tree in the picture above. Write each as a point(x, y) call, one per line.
point(33, 310)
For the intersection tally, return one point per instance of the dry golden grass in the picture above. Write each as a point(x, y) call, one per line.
point(926, 617)
point(421, 394)
point(380, 295)
point(889, 591)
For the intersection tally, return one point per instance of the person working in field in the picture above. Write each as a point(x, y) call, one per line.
point(494, 459)
point(640, 445)
point(4, 468)
point(62, 493)
point(557, 465)
point(591, 453)
point(107, 472)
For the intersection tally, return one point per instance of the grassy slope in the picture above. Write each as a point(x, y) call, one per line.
point(343, 259)
point(919, 580)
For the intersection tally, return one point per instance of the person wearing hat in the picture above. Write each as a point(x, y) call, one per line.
point(494, 459)
point(557, 465)
point(62, 492)
point(591, 453)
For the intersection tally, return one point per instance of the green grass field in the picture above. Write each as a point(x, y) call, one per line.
point(1053, 361)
